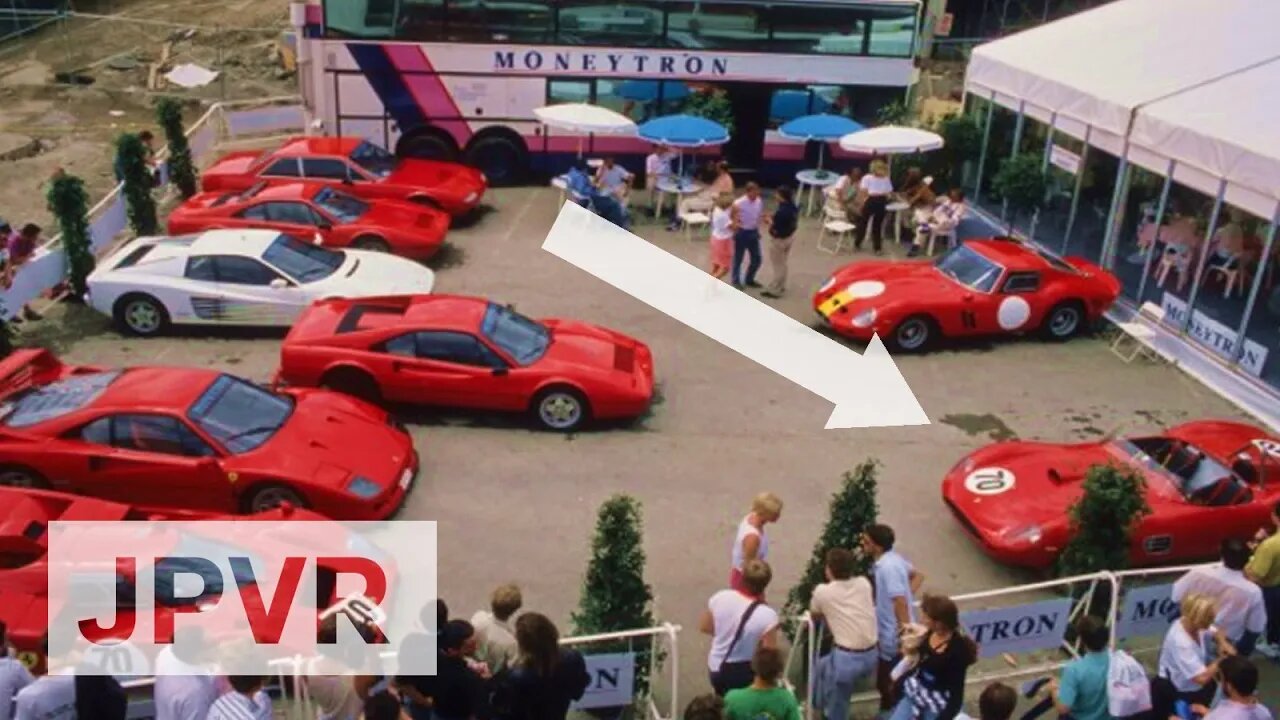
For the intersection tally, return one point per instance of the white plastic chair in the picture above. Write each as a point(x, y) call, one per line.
point(835, 221)
point(1142, 335)
point(950, 236)
point(692, 219)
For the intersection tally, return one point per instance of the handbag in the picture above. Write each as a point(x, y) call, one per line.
point(738, 674)
point(1128, 689)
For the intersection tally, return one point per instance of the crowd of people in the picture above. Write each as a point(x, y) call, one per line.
point(863, 198)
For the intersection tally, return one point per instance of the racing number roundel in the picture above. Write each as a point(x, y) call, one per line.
point(989, 481)
point(1013, 313)
point(1270, 447)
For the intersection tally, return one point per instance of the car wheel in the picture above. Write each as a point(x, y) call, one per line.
point(1064, 321)
point(372, 243)
point(560, 409)
point(915, 334)
point(502, 160)
point(267, 497)
point(141, 315)
point(355, 383)
point(16, 476)
point(429, 145)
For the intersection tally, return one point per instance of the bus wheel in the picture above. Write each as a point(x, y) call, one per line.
point(429, 145)
point(502, 160)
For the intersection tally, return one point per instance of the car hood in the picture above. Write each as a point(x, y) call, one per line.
point(1007, 487)
point(405, 217)
point(330, 438)
point(433, 174)
point(878, 283)
point(584, 345)
point(367, 273)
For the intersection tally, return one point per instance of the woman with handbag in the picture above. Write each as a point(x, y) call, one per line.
point(739, 621)
point(933, 689)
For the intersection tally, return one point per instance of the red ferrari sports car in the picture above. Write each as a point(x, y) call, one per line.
point(468, 352)
point(1206, 481)
point(364, 169)
point(312, 209)
point(24, 544)
point(197, 438)
point(983, 287)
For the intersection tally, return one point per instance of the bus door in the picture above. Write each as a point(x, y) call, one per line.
point(750, 103)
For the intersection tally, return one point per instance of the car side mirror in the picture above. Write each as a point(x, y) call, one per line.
point(348, 180)
point(500, 372)
point(324, 225)
point(208, 463)
point(279, 284)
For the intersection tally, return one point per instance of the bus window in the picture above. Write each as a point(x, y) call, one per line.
point(501, 22)
point(826, 29)
point(594, 22)
point(360, 18)
point(893, 32)
point(421, 20)
point(568, 91)
point(710, 25)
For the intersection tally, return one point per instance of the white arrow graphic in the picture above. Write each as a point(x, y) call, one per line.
point(868, 390)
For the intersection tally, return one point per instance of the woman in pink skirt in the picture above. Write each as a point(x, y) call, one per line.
point(721, 236)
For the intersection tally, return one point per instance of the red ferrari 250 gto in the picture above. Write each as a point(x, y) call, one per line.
point(983, 287)
point(1206, 481)
point(362, 168)
point(468, 352)
point(310, 209)
point(198, 439)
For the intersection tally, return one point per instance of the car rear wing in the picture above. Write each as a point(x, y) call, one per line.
point(24, 369)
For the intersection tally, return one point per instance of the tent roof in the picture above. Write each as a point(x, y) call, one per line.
point(1097, 66)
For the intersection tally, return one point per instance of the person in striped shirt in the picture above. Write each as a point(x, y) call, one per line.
point(245, 701)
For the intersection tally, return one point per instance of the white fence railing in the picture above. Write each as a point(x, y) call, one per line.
point(223, 123)
point(613, 675)
point(1028, 637)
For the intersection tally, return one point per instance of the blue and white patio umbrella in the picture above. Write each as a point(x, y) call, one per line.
point(683, 131)
point(824, 128)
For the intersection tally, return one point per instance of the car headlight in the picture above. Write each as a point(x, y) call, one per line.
point(831, 281)
point(1029, 534)
point(471, 197)
point(865, 318)
point(363, 487)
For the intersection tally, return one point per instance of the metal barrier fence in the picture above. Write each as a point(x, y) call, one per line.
point(223, 123)
point(615, 681)
point(1011, 634)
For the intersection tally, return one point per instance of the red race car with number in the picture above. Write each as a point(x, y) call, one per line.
point(198, 439)
point(312, 210)
point(981, 288)
point(24, 561)
point(362, 168)
point(468, 352)
point(1207, 481)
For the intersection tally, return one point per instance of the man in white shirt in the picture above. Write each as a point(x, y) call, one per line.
point(739, 621)
point(747, 211)
point(846, 605)
point(495, 638)
point(245, 701)
point(185, 685)
point(1239, 687)
point(14, 676)
point(1242, 614)
point(657, 165)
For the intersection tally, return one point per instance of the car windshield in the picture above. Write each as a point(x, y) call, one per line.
point(969, 268)
point(56, 399)
point(302, 261)
point(344, 207)
point(373, 159)
point(239, 415)
point(523, 339)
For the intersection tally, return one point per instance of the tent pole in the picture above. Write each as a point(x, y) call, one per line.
point(1075, 194)
point(1160, 210)
point(982, 154)
point(1018, 125)
point(1204, 248)
point(1238, 352)
point(1117, 200)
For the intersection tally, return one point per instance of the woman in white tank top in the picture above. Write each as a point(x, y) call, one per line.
point(752, 542)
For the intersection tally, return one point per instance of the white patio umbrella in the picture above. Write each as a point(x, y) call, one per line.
point(584, 118)
point(891, 140)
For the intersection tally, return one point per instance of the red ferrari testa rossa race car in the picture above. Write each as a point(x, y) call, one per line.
point(981, 288)
point(1206, 481)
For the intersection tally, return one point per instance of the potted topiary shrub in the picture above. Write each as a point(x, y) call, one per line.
point(1021, 184)
point(182, 171)
point(615, 596)
point(68, 202)
point(133, 171)
point(962, 141)
point(1112, 501)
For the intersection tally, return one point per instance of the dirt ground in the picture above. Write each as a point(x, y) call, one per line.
point(519, 505)
point(47, 123)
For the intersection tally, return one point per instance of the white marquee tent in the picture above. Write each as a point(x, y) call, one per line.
point(1196, 82)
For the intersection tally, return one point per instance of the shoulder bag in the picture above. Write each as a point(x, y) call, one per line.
point(733, 675)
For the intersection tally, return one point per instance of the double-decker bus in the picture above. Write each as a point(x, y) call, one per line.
point(459, 79)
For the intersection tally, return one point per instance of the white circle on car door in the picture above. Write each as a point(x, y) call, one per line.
point(989, 481)
point(1013, 313)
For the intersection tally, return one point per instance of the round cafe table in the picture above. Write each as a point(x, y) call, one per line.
point(813, 182)
point(668, 185)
